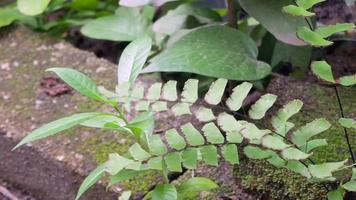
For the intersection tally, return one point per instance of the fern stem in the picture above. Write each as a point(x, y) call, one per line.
point(231, 14)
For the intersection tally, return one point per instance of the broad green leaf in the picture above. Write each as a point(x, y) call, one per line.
point(273, 142)
point(312, 144)
point(312, 37)
point(347, 80)
point(90, 180)
point(164, 191)
point(216, 91)
point(323, 70)
point(259, 109)
point(132, 59)
point(116, 163)
point(181, 109)
point(191, 187)
point(306, 4)
point(190, 158)
point(212, 133)
point(326, 31)
point(230, 154)
point(56, 127)
point(297, 11)
point(324, 170)
point(32, 7)
point(254, 152)
point(157, 147)
point(205, 114)
point(138, 153)
point(347, 122)
point(210, 155)
point(122, 176)
point(169, 91)
point(79, 82)
point(159, 106)
point(240, 92)
point(350, 186)
point(282, 25)
point(298, 167)
point(303, 134)
point(202, 51)
point(174, 162)
point(294, 154)
point(175, 140)
point(337, 194)
point(190, 91)
point(125, 195)
point(192, 135)
point(155, 163)
point(127, 24)
point(279, 121)
point(84, 4)
point(8, 15)
point(154, 92)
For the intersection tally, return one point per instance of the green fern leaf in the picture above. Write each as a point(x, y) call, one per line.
point(157, 147)
point(279, 121)
point(323, 70)
point(190, 91)
point(312, 37)
point(154, 92)
point(116, 163)
point(173, 161)
point(138, 153)
point(137, 92)
point(230, 154)
point(349, 80)
point(190, 158)
point(142, 106)
point(252, 133)
point(325, 170)
point(175, 140)
point(298, 167)
point(180, 109)
point(240, 92)
point(155, 163)
point(274, 142)
point(350, 186)
point(212, 133)
point(294, 154)
point(303, 134)
point(234, 137)
point(228, 123)
point(313, 144)
point(216, 91)
point(159, 106)
point(169, 91)
point(204, 114)
point(259, 109)
point(297, 11)
point(306, 4)
point(276, 160)
point(192, 135)
point(347, 122)
point(254, 152)
point(326, 31)
point(209, 154)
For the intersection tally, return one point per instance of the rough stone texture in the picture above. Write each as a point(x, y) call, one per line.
point(24, 106)
point(319, 102)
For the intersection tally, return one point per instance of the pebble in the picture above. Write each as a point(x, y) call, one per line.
point(5, 66)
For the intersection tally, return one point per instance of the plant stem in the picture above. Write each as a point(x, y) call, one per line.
point(231, 13)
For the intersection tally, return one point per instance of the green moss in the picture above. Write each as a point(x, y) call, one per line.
point(283, 184)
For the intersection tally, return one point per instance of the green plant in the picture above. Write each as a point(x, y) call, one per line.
point(220, 135)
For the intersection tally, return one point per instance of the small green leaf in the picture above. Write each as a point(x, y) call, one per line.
point(276, 160)
point(298, 167)
point(228, 123)
point(90, 180)
point(169, 91)
point(212, 133)
point(132, 59)
point(84, 4)
point(32, 7)
point(79, 82)
point(190, 91)
point(326, 31)
point(251, 132)
point(257, 153)
point(279, 121)
point(303, 134)
point(157, 147)
point(142, 106)
point(297, 11)
point(190, 158)
point(56, 127)
point(192, 135)
point(8, 15)
point(312, 144)
point(273, 142)
point(347, 122)
point(230, 154)
point(337, 194)
point(323, 70)
point(138, 153)
point(210, 155)
point(125, 195)
point(116, 163)
point(154, 92)
point(174, 162)
point(240, 92)
point(216, 91)
point(175, 140)
point(325, 170)
point(306, 4)
point(294, 154)
point(234, 137)
point(159, 106)
point(259, 109)
point(204, 114)
point(347, 80)
point(164, 191)
point(312, 37)
point(191, 187)
point(350, 186)
point(181, 109)
point(155, 163)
